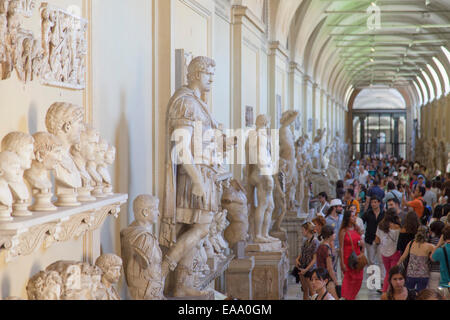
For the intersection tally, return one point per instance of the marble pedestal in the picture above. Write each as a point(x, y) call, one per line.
point(292, 223)
point(239, 278)
point(269, 277)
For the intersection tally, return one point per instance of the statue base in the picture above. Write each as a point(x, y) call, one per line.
point(43, 202)
point(263, 247)
point(107, 190)
point(21, 210)
point(208, 296)
point(84, 194)
point(282, 235)
point(269, 276)
point(98, 192)
point(5, 214)
point(67, 198)
point(239, 278)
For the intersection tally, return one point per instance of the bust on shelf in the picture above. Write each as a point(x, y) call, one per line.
point(92, 168)
point(109, 152)
point(10, 173)
point(22, 144)
point(65, 121)
point(47, 152)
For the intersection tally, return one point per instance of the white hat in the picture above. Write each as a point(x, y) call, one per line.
point(335, 203)
point(395, 174)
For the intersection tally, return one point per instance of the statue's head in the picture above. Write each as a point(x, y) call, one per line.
point(262, 121)
point(46, 285)
point(102, 148)
point(47, 149)
point(200, 73)
point(21, 144)
point(88, 146)
point(10, 169)
point(111, 266)
point(110, 155)
point(288, 117)
point(145, 208)
point(65, 120)
point(13, 7)
point(3, 6)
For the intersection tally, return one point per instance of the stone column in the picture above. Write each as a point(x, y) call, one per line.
point(239, 278)
point(396, 136)
point(362, 134)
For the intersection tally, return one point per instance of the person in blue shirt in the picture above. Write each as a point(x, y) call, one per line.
point(374, 192)
point(334, 218)
point(439, 256)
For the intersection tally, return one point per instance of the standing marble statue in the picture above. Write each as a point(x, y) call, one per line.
point(280, 196)
point(141, 254)
point(259, 178)
point(82, 153)
point(65, 121)
point(47, 153)
point(319, 178)
point(192, 183)
point(21, 144)
point(10, 173)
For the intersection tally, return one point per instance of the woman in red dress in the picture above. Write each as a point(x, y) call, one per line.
point(351, 284)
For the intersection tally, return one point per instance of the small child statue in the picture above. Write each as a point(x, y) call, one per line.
point(10, 172)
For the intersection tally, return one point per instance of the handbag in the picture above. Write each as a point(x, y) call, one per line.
point(356, 262)
point(406, 261)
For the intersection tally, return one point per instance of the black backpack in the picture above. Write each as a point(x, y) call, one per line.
point(427, 213)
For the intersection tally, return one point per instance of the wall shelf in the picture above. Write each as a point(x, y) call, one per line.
point(24, 235)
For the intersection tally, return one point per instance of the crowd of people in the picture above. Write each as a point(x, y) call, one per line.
point(386, 212)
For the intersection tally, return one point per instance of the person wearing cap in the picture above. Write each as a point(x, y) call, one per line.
point(334, 217)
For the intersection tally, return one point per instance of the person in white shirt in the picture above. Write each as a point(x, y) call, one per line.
point(324, 205)
point(387, 237)
point(363, 175)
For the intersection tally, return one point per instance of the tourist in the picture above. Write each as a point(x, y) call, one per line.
point(359, 221)
point(392, 193)
point(319, 222)
point(443, 257)
point(418, 204)
point(397, 289)
point(374, 192)
point(349, 199)
point(387, 237)
point(394, 203)
point(319, 279)
point(340, 190)
point(348, 180)
point(436, 229)
point(372, 218)
point(430, 294)
point(305, 261)
point(443, 208)
point(408, 231)
point(363, 175)
point(324, 205)
point(417, 255)
point(430, 197)
point(350, 241)
point(326, 258)
point(334, 217)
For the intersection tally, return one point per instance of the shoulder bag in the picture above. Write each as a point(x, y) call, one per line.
point(356, 262)
point(406, 261)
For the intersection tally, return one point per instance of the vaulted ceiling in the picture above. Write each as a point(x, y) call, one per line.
point(349, 45)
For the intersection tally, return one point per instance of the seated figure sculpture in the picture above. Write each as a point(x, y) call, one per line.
point(21, 144)
point(65, 121)
point(141, 254)
point(47, 151)
point(10, 173)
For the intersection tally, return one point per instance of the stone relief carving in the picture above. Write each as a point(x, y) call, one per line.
point(64, 45)
point(216, 238)
point(142, 257)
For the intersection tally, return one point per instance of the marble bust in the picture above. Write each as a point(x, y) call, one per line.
point(65, 121)
point(93, 165)
point(21, 144)
point(110, 157)
point(45, 285)
point(111, 266)
point(82, 153)
point(141, 254)
point(47, 151)
point(10, 173)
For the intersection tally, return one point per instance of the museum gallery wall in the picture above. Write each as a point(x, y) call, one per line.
point(131, 73)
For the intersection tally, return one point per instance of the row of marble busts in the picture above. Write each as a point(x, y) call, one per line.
point(73, 151)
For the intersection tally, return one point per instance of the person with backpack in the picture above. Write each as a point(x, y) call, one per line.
point(442, 255)
point(419, 204)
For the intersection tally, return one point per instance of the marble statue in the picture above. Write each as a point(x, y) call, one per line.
point(216, 238)
point(442, 156)
point(21, 144)
point(142, 257)
point(45, 285)
point(259, 178)
point(434, 155)
point(287, 152)
point(65, 121)
point(10, 173)
point(92, 167)
point(3, 36)
point(47, 154)
point(200, 267)
point(280, 196)
point(82, 153)
point(234, 201)
point(111, 266)
point(192, 181)
point(109, 158)
point(318, 176)
point(304, 167)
